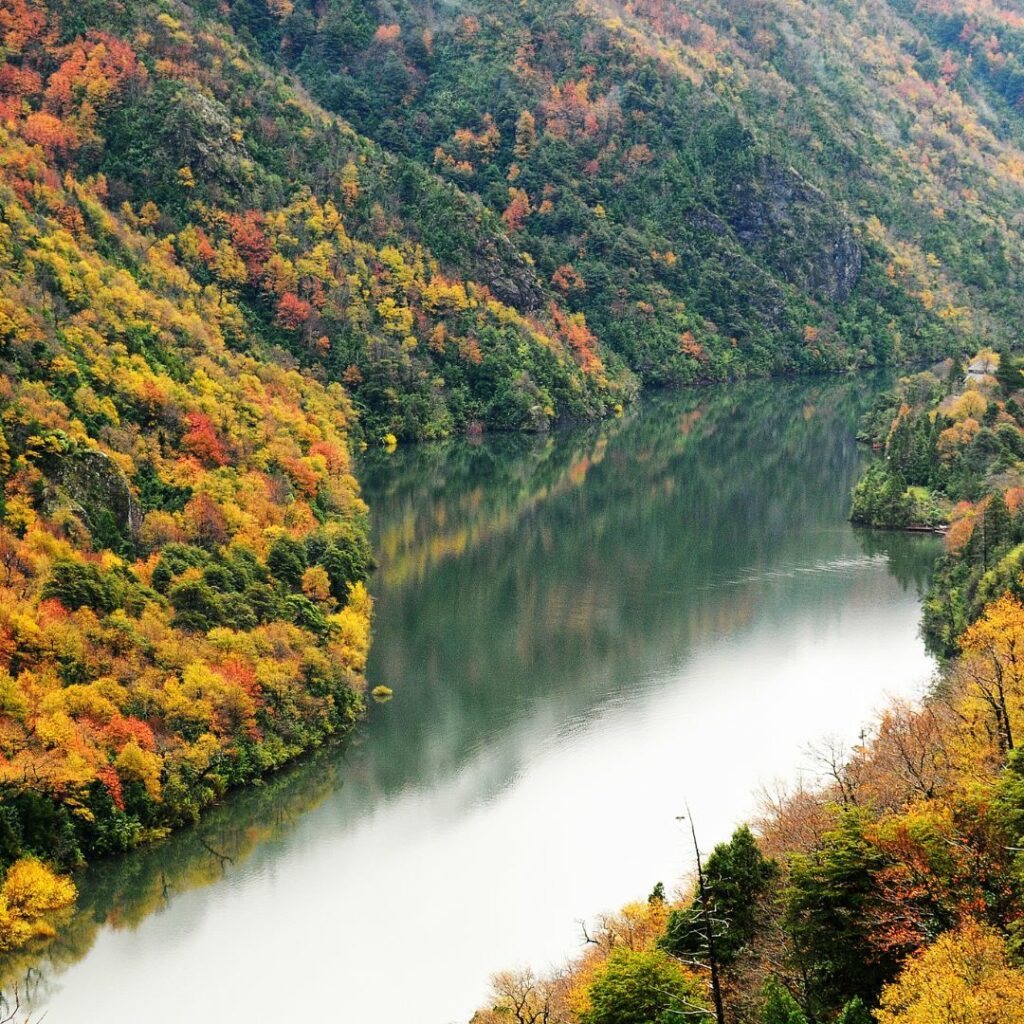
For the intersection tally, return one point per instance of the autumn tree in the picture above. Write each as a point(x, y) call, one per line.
point(292, 312)
point(518, 209)
point(990, 675)
point(908, 757)
point(227, 267)
point(29, 897)
point(964, 977)
point(526, 135)
point(520, 997)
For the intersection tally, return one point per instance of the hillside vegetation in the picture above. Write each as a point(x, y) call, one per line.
point(724, 188)
point(953, 454)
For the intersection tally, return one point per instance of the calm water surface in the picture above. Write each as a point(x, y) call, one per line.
point(583, 632)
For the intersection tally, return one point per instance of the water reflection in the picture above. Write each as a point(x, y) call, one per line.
point(524, 567)
point(578, 628)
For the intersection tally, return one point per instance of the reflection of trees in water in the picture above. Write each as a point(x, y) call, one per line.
point(122, 892)
point(910, 556)
point(609, 554)
point(531, 577)
point(715, 454)
point(437, 501)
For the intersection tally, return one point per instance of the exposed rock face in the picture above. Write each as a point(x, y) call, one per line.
point(846, 264)
point(201, 131)
point(507, 274)
point(797, 230)
point(93, 485)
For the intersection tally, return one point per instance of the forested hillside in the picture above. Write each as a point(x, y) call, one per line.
point(182, 603)
point(365, 268)
point(198, 268)
point(722, 189)
point(953, 457)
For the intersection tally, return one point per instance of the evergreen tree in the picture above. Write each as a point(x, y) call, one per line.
point(996, 528)
point(736, 875)
point(831, 897)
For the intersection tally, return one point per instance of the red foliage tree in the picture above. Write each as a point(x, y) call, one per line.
point(22, 23)
point(205, 521)
point(202, 440)
point(112, 782)
point(518, 209)
point(293, 313)
point(53, 134)
point(249, 239)
point(93, 70)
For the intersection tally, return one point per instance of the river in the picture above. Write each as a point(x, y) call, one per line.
point(585, 633)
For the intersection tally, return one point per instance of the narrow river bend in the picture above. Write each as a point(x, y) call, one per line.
point(583, 633)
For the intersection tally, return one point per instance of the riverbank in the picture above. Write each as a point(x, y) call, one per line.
point(902, 854)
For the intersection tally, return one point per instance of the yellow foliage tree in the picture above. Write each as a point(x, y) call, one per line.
point(991, 672)
point(970, 405)
point(137, 765)
point(964, 977)
point(30, 896)
point(316, 584)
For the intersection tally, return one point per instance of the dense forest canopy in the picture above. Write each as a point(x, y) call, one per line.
point(723, 188)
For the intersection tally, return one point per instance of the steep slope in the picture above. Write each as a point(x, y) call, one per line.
point(183, 547)
point(366, 268)
point(722, 189)
point(952, 449)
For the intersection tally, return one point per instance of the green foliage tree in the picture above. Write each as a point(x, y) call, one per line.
point(642, 987)
point(174, 560)
point(855, 1012)
point(996, 528)
point(286, 560)
point(880, 499)
point(82, 585)
point(196, 605)
point(737, 875)
point(830, 902)
point(779, 1006)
